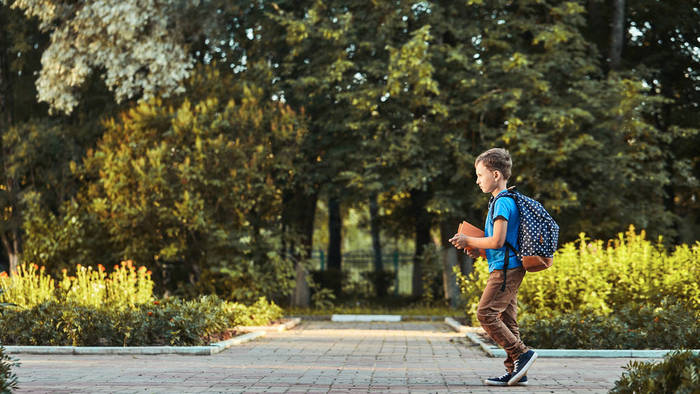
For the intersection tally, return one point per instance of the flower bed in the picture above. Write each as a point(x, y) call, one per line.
point(96, 309)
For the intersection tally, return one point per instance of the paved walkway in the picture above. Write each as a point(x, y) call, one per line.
point(317, 357)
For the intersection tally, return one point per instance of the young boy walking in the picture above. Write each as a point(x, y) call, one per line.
point(497, 311)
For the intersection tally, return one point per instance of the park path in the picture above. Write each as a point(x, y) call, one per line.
point(317, 357)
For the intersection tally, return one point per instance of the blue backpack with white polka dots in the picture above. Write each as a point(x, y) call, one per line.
point(538, 233)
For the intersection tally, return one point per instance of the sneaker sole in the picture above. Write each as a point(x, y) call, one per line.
point(515, 378)
point(489, 383)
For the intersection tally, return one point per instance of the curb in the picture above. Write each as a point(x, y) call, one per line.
point(278, 328)
point(401, 317)
point(365, 318)
point(456, 326)
point(214, 348)
point(495, 351)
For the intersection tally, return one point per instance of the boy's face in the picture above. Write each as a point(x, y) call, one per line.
point(486, 178)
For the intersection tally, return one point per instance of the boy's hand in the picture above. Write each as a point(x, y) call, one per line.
point(460, 241)
point(473, 253)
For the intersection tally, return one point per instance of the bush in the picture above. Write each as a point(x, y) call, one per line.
point(126, 286)
point(258, 314)
point(8, 380)
point(645, 327)
point(626, 293)
point(29, 286)
point(171, 321)
point(678, 373)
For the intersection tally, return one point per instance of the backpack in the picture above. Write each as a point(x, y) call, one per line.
point(538, 234)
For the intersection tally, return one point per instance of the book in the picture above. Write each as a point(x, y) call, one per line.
point(470, 230)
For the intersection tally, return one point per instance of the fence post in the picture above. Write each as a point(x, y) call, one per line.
point(396, 272)
point(321, 257)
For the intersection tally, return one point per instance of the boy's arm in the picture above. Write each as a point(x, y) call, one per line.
point(496, 241)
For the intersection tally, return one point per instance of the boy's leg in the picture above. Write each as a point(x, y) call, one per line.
point(492, 306)
point(510, 319)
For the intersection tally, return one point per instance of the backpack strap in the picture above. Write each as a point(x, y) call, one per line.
point(505, 264)
point(507, 245)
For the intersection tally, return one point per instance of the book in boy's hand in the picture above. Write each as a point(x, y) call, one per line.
point(470, 230)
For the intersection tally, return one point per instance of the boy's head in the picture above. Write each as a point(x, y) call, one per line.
point(496, 159)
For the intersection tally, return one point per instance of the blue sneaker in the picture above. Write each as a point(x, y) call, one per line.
point(503, 381)
point(499, 381)
point(521, 382)
point(522, 364)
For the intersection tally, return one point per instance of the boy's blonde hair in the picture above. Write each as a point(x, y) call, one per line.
point(496, 159)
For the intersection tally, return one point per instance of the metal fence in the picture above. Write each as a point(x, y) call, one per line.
point(358, 262)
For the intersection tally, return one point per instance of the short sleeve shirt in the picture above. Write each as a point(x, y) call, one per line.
point(503, 207)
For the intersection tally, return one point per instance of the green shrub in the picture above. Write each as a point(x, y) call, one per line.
point(667, 327)
point(678, 373)
point(8, 380)
point(626, 293)
point(600, 277)
point(30, 285)
point(124, 287)
point(258, 314)
point(171, 321)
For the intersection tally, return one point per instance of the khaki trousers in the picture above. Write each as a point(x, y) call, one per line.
point(498, 313)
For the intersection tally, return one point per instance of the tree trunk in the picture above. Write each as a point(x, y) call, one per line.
point(382, 280)
point(11, 236)
point(11, 243)
point(374, 229)
point(617, 34)
point(419, 200)
point(449, 261)
point(298, 225)
point(302, 294)
point(335, 230)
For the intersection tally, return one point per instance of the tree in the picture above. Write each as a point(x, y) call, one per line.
point(529, 81)
point(662, 49)
point(133, 42)
point(393, 95)
point(18, 58)
point(197, 183)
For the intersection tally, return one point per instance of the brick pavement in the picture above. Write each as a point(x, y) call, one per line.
point(317, 357)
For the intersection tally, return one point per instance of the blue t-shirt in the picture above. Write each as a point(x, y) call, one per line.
point(504, 207)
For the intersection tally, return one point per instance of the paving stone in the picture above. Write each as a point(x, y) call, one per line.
point(317, 357)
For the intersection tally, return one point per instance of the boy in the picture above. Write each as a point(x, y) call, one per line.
point(497, 311)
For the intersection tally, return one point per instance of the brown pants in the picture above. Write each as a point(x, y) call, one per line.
point(498, 313)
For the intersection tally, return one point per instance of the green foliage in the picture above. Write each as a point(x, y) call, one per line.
point(431, 268)
point(124, 287)
point(668, 326)
point(592, 276)
point(170, 321)
point(398, 96)
point(260, 313)
point(29, 286)
point(528, 80)
point(8, 379)
point(679, 372)
point(65, 238)
point(198, 184)
point(627, 293)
